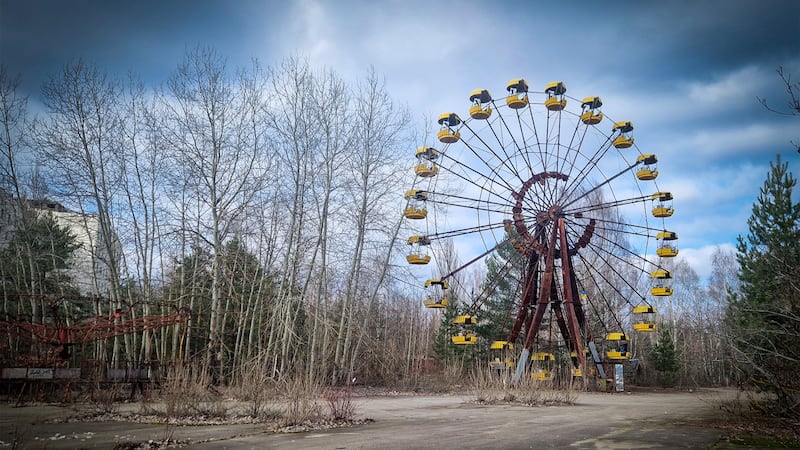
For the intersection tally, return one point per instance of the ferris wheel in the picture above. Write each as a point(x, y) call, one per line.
point(567, 197)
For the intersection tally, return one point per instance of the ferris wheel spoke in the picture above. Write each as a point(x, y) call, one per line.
point(575, 148)
point(609, 277)
point(490, 288)
point(471, 170)
point(588, 168)
point(472, 207)
point(616, 230)
point(522, 149)
point(605, 182)
point(462, 231)
point(475, 201)
point(630, 225)
point(503, 160)
point(473, 260)
point(606, 205)
point(492, 169)
point(617, 257)
point(562, 162)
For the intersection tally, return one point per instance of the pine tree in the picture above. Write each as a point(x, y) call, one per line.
point(500, 292)
point(450, 354)
point(764, 320)
point(38, 256)
point(666, 360)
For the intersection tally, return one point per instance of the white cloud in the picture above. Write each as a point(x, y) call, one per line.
point(700, 259)
point(735, 88)
point(722, 145)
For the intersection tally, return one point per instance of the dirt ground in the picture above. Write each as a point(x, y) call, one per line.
point(640, 419)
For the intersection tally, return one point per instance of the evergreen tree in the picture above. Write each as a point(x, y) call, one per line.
point(38, 256)
point(501, 292)
point(665, 359)
point(764, 319)
point(450, 354)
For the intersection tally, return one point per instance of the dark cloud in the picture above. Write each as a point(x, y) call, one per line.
point(656, 40)
point(688, 73)
point(38, 37)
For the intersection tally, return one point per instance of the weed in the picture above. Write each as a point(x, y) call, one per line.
point(340, 403)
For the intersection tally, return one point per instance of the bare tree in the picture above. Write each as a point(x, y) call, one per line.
point(13, 113)
point(330, 100)
point(793, 102)
point(723, 282)
point(14, 116)
point(142, 163)
point(207, 129)
point(293, 121)
point(375, 172)
point(78, 142)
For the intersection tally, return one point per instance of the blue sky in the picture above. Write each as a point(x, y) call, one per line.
point(687, 73)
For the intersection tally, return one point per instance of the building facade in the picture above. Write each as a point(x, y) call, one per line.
point(90, 264)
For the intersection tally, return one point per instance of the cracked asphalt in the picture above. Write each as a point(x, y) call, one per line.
point(640, 419)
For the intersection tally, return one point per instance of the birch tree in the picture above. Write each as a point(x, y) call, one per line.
point(78, 141)
point(376, 171)
point(208, 132)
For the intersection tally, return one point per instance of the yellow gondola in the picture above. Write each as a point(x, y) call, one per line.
point(418, 255)
point(441, 283)
point(649, 171)
point(661, 291)
point(436, 299)
point(574, 354)
point(661, 274)
point(501, 364)
point(447, 134)
point(541, 375)
point(664, 206)
point(544, 359)
point(666, 248)
point(667, 251)
point(624, 140)
point(465, 339)
point(646, 174)
point(480, 110)
point(416, 204)
point(498, 361)
point(644, 318)
point(590, 115)
point(465, 320)
point(617, 344)
point(667, 235)
point(426, 167)
point(555, 96)
point(501, 345)
point(436, 303)
point(543, 356)
point(517, 93)
point(417, 259)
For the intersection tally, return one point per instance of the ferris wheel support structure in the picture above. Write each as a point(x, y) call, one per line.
point(575, 321)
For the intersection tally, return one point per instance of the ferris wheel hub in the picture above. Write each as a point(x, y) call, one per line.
point(551, 214)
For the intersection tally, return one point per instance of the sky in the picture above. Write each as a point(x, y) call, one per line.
point(688, 74)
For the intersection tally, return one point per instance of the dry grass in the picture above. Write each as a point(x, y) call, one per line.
point(301, 395)
point(256, 389)
point(488, 387)
point(340, 403)
point(105, 399)
point(186, 392)
point(746, 424)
